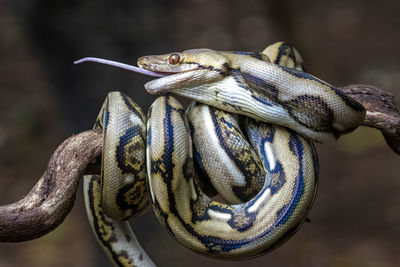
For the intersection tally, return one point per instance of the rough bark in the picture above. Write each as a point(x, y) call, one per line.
point(382, 112)
point(53, 196)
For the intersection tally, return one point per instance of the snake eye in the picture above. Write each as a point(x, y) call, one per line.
point(174, 59)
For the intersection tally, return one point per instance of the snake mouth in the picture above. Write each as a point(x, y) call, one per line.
point(170, 76)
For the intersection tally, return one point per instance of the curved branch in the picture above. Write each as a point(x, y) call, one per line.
point(382, 112)
point(51, 199)
point(53, 196)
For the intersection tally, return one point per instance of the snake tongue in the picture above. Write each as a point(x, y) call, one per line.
point(166, 82)
point(123, 66)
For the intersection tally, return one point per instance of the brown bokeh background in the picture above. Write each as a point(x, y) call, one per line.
point(44, 99)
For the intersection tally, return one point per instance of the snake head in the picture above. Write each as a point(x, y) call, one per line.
point(187, 69)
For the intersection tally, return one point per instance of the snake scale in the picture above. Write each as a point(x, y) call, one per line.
point(248, 136)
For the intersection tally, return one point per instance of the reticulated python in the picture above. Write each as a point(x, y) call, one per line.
point(267, 174)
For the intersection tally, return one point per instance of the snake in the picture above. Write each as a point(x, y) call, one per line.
point(249, 132)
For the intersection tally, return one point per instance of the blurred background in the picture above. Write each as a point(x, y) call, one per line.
point(44, 99)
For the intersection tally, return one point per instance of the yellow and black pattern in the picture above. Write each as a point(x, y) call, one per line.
point(115, 237)
point(284, 54)
point(218, 140)
point(124, 190)
point(271, 171)
point(121, 190)
point(220, 230)
point(244, 83)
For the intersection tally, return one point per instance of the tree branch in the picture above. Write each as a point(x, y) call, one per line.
point(382, 112)
point(53, 196)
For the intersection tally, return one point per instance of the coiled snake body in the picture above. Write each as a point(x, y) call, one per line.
point(267, 174)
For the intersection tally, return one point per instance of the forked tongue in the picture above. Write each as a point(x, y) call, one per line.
point(121, 66)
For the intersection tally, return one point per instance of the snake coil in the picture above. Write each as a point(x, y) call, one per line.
point(248, 137)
